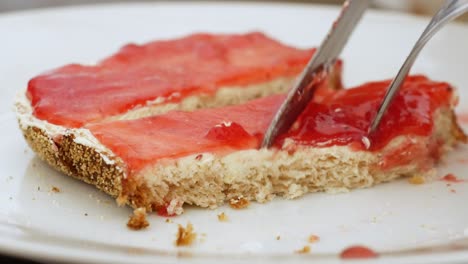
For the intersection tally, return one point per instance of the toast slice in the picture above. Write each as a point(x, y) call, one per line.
point(197, 71)
point(210, 156)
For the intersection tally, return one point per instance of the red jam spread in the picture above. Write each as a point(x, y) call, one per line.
point(358, 252)
point(75, 95)
point(177, 134)
point(344, 117)
point(230, 133)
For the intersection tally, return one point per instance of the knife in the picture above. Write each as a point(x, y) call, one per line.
point(317, 68)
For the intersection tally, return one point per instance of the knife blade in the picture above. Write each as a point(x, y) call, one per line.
point(317, 68)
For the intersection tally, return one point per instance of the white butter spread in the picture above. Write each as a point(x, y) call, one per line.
point(82, 136)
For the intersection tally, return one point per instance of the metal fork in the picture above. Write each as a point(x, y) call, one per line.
point(449, 11)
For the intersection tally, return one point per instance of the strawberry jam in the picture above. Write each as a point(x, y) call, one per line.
point(177, 134)
point(344, 117)
point(74, 95)
point(230, 133)
point(339, 118)
point(358, 252)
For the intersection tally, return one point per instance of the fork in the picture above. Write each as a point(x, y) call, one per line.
point(450, 10)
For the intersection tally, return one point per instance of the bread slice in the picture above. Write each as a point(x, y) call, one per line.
point(210, 156)
point(216, 70)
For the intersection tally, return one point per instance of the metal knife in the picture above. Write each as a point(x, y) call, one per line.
point(303, 90)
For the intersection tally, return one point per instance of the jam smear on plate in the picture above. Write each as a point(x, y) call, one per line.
point(451, 178)
point(358, 252)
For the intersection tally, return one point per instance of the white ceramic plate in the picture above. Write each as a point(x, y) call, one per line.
point(404, 222)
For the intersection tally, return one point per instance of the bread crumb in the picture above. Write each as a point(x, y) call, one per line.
point(168, 220)
point(313, 238)
point(239, 203)
point(185, 236)
point(304, 250)
point(416, 179)
point(138, 220)
point(278, 237)
point(55, 189)
point(222, 217)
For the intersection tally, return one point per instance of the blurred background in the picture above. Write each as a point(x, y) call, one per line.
point(420, 7)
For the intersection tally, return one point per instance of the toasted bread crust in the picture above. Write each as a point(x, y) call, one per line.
point(86, 164)
point(76, 160)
